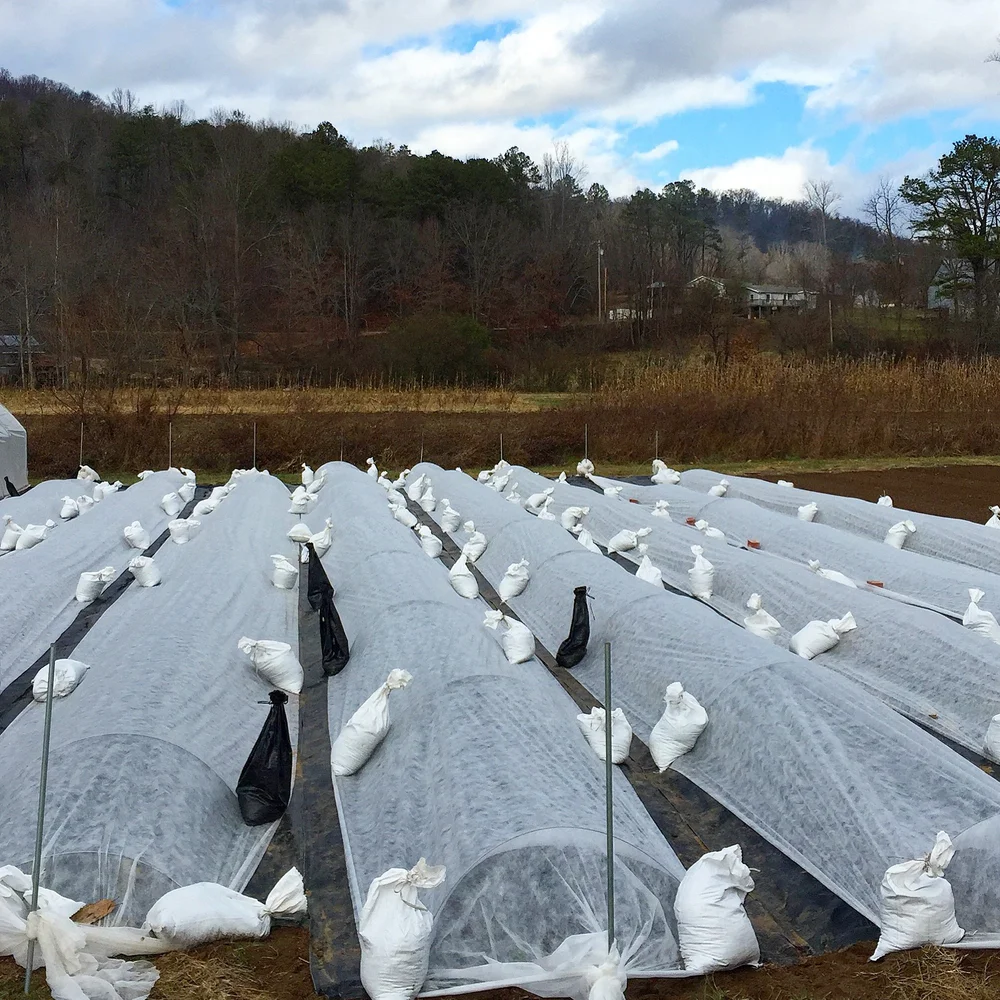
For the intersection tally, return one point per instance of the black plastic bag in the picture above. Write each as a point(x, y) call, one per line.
point(574, 646)
point(317, 582)
point(12, 490)
point(336, 651)
point(265, 784)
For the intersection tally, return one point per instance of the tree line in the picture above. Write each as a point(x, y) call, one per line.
point(138, 240)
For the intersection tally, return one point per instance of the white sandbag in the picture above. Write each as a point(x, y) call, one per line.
point(451, 520)
point(615, 492)
point(87, 474)
point(188, 474)
point(625, 540)
point(285, 574)
point(681, 724)
point(183, 529)
point(32, 535)
point(513, 496)
point(572, 516)
point(85, 503)
point(462, 579)
point(994, 521)
point(274, 662)
point(808, 512)
point(760, 622)
point(594, 728)
point(171, 504)
point(429, 542)
point(384, 481)
point(662, 509)
point(884, 501)
point(664, 476)
point(585, 468)
point(400, 480)
point(831, 574)
point(991, 744)
point(301, 504)
point(66, 678)
point(701, 576)
point(917, 907)
point(144, 474)
point(897, 535)
point(137, 536)
point(102, 490)
point(300, 533)
point(366, 728)
point(145, 571)
point(499, 483)
point(186, 492)
point(404, 515)
point(484, 476)
point(584, 537)
point(476, 545)
point(562, 478)
point(11, 533)
point(517, 642)
point(395, 930)
point(648, 572)
point(719, 490)
point(372, 469)
point(91, 583)
point(514, 581)
point(322, 540)
point(535, 501)
point(786, 482)
point(983, 622)
point(709, 532)
point(206, 911)
point(70, 509)
point(417, 487)
point(427, 501)
point(713, 929)
point(544, 514)
point(307, 475)
point(818, 637)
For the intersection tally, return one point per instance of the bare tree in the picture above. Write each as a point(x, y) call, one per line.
point(884, 210)
point(822, 196)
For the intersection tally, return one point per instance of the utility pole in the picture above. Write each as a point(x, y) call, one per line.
point(600, 256)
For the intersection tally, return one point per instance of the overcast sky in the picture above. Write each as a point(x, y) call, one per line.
point(731, 93)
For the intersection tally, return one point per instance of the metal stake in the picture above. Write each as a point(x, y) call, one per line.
point(501, 446)
point(586, 441)
point(656, 445)
point(36, 872)
point(81, 442)
point(170, 445)
point(342, 446)
point(255, 444)
point(609, 770)
point(421, 446)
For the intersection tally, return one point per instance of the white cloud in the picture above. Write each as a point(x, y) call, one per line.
point(783, 176)
point(658, 152)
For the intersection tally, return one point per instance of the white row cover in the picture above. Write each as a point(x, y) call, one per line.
point(483, 771)
point(918, 578)
point(42, 502)
point(903, 655)
point(13, 452)
point(38, 585)
point(833, 778)
point(147, 751)
point(947, 538)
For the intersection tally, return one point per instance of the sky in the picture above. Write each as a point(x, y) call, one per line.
point(764, 94)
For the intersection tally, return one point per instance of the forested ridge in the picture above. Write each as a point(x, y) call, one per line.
point(145, 236)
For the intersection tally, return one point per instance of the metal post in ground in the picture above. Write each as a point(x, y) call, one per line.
point(586, 441)
point(170, 445)
point(36, 871)
point(421, 446)
point(255, 444)
point(609, 770)
point(81, 442)
point(656, 445)
point(501, 446)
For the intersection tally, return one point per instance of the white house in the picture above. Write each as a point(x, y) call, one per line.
point(761, 300)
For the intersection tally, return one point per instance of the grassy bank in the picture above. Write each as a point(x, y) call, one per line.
point(767, 412)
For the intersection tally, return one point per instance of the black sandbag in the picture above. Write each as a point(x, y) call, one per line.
point(336, 651)
point(12, 490)
point(317, 582)
point(265, 784)
point(574, 646)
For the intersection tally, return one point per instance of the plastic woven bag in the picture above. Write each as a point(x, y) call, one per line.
point(760, 623)
point(366, 728)
point(91, 583)
point(462, 579)
point(898, 534)
point(137, 536)
point(818, 637)
point(980, 621)
point(145, 571)
point(285, 574)
point(682, 722)
point(701, 575)
point(517, 642)
point(66, 679)
point(594, 728)
point(274, 662)
point(513, 581)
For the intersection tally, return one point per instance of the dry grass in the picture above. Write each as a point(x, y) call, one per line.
point(195, 978)
point(765, 410)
